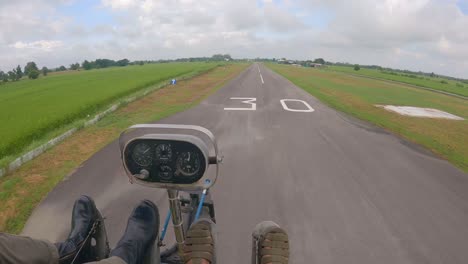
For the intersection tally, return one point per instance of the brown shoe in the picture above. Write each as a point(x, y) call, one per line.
point(270, 244)
point(199, 244)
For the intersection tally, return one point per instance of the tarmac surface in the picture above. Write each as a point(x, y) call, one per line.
point(346, 191)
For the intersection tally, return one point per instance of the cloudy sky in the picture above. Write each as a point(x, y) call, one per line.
point(427, 35)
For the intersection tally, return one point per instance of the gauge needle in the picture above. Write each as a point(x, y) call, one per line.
point(146, 150)
point(188, 157)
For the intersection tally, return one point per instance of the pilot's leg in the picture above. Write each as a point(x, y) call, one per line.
point(14, 249)
point(19, 250)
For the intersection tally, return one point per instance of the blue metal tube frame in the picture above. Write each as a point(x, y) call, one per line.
point(166, 224)
point(200, 205)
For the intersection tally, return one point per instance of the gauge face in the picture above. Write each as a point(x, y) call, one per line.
point(165, 172)
point(163, 152)
point(188, 163)
point(142, 154)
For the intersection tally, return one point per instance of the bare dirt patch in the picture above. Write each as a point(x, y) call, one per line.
point(34, 179)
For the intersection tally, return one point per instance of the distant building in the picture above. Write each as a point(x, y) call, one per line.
point(316, 65)
point(282, 61)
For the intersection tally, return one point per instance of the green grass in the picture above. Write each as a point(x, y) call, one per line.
point(441, 84)
point(32, 109)
point(23, 189)
point(358, 97)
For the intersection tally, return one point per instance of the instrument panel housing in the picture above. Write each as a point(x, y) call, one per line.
point(179, 143)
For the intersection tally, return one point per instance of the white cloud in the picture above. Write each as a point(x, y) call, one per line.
point(119, 4)
point(42, 45)
point(411, 34)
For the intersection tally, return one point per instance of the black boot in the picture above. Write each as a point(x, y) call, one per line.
point(142, 230)
point(84, 215)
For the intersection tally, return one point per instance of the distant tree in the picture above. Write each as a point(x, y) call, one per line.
point(123, 62)
point(220, 57)
point(319, 60)
point(44, 71)
point(141, 63)
point(12, 75)
point(33, 74)
point(356, 67)
point(87, 65)
point(62, 68)
point(74, 66)
point(104, 63)
point(19, 73)
point(432, 75)
point(2, 76)
point(29, 67)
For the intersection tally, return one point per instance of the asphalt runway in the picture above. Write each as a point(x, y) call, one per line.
point(346, 191)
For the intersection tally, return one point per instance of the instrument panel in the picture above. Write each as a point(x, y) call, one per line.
point(165, 161)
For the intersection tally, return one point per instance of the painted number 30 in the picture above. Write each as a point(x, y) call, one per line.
point(251, 101)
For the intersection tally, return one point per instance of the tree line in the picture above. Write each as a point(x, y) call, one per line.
point(32, 71)
point(357, 67)
point(407, 73)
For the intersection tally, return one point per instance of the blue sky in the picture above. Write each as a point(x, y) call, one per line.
point(87, 13)
point(463, 5)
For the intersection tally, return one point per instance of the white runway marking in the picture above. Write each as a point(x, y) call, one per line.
point(308, 110)
point(261, 77)
point(247, 100)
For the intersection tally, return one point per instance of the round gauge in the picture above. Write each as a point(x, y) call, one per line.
point(188, 163)
point(142, 154)
point(163, 152)
point(165, 172)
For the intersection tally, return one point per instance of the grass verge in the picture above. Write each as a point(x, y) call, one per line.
point(22, 190)
point(358, 97)
point(33, 108)
point(40, 139)
point(435, 83)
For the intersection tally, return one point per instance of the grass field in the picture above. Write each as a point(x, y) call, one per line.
point(358, 97)
point(23, 189)
point(30, 109)
point(442, 84)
